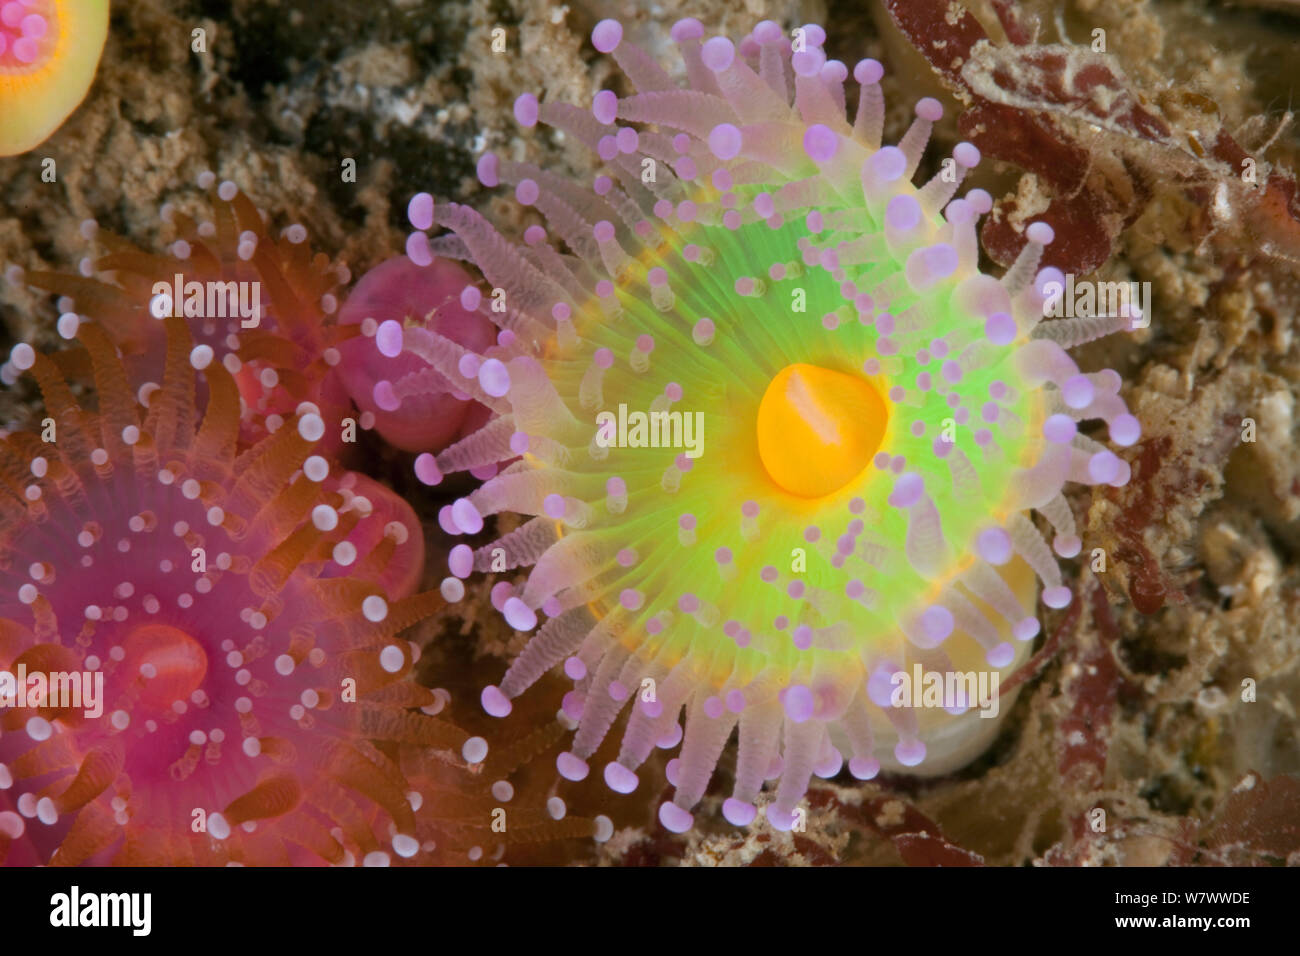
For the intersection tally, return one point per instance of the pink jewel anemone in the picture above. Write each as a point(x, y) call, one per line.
point(874, 422)
point(284, 353)
point(243, 613)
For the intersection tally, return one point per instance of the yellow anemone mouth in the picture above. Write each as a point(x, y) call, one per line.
point(818, 429)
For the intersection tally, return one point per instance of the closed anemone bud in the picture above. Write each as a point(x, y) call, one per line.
point(411, 411)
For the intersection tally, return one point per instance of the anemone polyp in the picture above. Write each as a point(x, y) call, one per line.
point(262, 305)
point(412, 414)
point(49, 50)
point(874, 422)
point(241, 615)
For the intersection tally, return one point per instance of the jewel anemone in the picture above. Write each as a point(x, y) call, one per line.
point(507, 809)
point(243, 611)
point(49, 50)
point(231, 258)
point(879, 421)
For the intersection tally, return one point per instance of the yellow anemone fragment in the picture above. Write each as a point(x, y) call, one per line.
point(48, 58)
